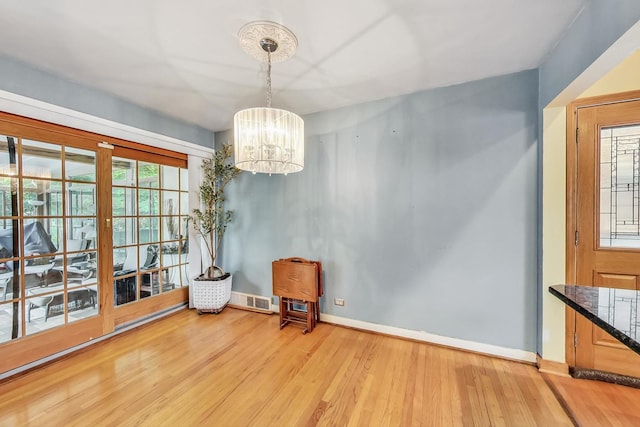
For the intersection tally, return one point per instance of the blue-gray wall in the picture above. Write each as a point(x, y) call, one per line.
point(422, 209)
point(22, 79)
point(598, 26)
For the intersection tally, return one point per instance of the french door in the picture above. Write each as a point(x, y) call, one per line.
point(607, 218)
point(150, 204)
point(92, 235)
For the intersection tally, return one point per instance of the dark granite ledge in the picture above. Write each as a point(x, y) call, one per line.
point(601, 305)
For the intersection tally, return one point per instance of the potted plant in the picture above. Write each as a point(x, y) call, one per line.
point(212, 289)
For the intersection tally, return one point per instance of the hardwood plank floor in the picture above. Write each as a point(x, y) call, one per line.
point(239, 369)
point(596, 403)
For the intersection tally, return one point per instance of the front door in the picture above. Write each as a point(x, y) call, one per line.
point(607, 206)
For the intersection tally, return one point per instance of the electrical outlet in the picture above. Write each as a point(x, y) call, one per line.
point(338, 301)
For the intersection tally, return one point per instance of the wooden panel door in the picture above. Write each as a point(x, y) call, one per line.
point(608, 222)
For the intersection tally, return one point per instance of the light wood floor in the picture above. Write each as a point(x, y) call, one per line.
point(238, 369)
point(596, 403)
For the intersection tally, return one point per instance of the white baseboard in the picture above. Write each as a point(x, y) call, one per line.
point(492, 350)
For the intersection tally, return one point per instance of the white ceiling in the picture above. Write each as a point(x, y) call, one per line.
point(182, 57)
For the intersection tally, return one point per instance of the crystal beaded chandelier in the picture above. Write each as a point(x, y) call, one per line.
point(268, 140)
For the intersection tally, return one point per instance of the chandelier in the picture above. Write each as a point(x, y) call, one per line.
point(268, 140)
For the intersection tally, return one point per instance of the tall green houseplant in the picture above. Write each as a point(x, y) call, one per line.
point(211, 220)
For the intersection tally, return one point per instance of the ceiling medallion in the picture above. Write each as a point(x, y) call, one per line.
point(253, 33)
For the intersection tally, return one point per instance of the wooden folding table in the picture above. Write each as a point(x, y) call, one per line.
point(298, 282)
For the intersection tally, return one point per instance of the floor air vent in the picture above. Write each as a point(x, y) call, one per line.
point(250, 302)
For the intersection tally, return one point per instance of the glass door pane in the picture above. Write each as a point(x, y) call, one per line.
point(619, 187)
point(48, 256)
point(149, 232)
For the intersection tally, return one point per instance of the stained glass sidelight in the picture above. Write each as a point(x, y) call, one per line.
point(619, 187)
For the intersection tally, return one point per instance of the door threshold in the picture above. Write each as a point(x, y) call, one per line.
point(610, 377)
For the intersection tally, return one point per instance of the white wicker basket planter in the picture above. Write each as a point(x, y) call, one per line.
point(211, 296)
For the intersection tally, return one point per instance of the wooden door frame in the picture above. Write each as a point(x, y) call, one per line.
point(572, 200)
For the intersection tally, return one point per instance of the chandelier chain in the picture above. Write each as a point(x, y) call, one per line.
point(269, 78)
